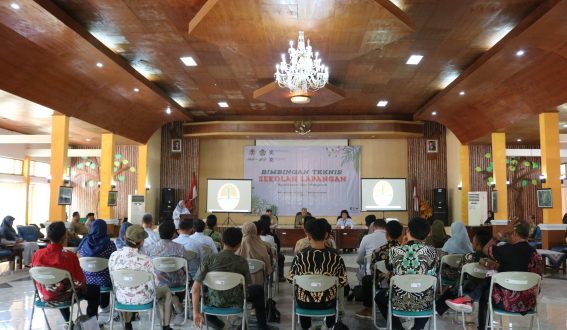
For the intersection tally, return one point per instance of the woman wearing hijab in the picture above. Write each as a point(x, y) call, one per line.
point(438, 235)
point(120, 240)
point(252, 247)
point(179, 210)
point(8, 235)
point(98, 244)
point(460, 242)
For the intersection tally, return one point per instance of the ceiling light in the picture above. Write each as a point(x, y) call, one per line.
point(168, 110)
point(88, 140)
point(434, 113)
point(462, 93)
point(519, 140)
point(99, 65)
point(188, 61)
point(300, 99)
point(223, 104)
point(414, 59)
point(15, 6)
point(382, 103)
point(136, 90)
point(520, 52)
point(564, 125)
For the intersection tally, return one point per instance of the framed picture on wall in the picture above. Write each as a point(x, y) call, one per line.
point(112, 198)
point(175, 145)
point(544, 198)
point(494, 199)
point(432, 146)
point(65, 195)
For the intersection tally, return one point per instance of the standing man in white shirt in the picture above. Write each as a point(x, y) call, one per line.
point(371, 242)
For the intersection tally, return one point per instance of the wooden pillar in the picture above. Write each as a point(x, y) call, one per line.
point(499, 174)
point(26, 174)
point(550, 168)
point(142, 170)
point(106, 172)
point(58, 164)
point(465, 183)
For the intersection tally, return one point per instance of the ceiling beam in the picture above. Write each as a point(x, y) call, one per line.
point(396, 11)
point(201, 14)
point(46, 153)
point(25, 139)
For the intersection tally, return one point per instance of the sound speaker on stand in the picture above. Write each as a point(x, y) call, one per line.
point(440, 205)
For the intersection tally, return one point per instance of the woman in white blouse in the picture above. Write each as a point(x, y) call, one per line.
point(344, 220)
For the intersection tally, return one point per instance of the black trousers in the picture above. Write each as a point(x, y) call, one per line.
point(305, 321)
point(104, 299)
point(281, 260)
point(483, 302)
point(381, 300)
point(256, 297)
point(367, 291)
point(90, 293)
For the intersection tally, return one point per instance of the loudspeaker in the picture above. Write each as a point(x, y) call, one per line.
point(167, 199)
point(441, 213)
point(439, 197)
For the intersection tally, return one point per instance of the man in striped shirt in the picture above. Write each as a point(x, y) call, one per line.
point(317, 260)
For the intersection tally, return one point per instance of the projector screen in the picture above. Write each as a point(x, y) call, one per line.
point(229, 195)
point(383, 195)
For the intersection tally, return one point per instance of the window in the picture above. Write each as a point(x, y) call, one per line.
point(13, 197)
point(11, 166)
point(39, 203)
point(39, 169)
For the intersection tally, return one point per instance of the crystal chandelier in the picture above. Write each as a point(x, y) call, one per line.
point(303, 73)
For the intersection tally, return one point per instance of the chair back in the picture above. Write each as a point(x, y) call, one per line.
point(255, 266)
point(207, 251)
point(130, 278)
point(413, 283)
point(28, 233)
point(453, 260)
point(315, 283)
point(516, 281)
point(49, 275)
point(190, 255)
point(381, 266)
point(222, 281)
point(474, 269)
point(169, 264)
point(93, 264)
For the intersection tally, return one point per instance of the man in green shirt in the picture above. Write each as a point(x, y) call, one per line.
point(227, 261)
point(211, 231)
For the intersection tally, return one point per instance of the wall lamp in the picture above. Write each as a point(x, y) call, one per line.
point(113, 184)
point(148, 187)
point(460, 186)
point(542, 178)
point(493, 184)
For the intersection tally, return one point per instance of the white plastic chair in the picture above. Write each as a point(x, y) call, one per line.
point(276, 274)
point(514, 281)
point(207, 251)
point(412, 284)
point(472, 270)
point(95, 265)
point(256, 266)
point(129, 278)
point(173, 264)
point(222, 281)
point(46, 276)
point(314, 283)
point(452, 260)
point(380, 266)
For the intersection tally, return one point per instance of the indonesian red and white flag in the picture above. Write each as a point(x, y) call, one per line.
point(193, 191)
point(415, 198)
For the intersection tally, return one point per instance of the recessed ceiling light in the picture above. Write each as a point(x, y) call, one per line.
point(434, 113)
point(462, 93)
point(414, 59)
point(99, 65)
point(136, 90)
point(188, 61)
point(168, 110)
point(519, 140)
point(382, 103)
point(520, 52)
point(88, 140)
point(223, 104)
point(15, 6)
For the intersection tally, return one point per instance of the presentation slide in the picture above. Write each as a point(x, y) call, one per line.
point(229, 195)
point(383, 195)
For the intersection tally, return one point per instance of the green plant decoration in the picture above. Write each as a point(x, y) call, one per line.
point(88, 170)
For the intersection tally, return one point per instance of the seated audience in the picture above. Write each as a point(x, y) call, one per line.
point(89, 221)
point(120, 243)
point(165, 247)
point(394, 230)
point(344, 220)
point(371, 242)
point(211, 231)
point(273, 218)
point(330, 241)
point(200, 238)
point(252, 247)
point(369, 222)
point(76, 228)
point(300, 217)
point(9, 236)
point(438, 236)
point(517, 255)
point(414, 257)
point(267, 235)
point(317, 260)
point(228, 261)
point(98, 244)
point(489, 218)
point(148, 224)
point(459, 243)
point(54, 256)
point(304, 242)
point(129, 257)
point(190, 244)
point(470, 284)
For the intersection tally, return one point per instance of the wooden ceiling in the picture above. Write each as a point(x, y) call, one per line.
point(236, 44)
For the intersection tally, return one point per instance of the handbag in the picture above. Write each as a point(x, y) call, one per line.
point(83, 322)
point(272, 313)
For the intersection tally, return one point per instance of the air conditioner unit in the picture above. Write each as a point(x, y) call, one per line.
point(136, 208)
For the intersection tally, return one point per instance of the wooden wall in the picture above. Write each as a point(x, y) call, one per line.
point(478, 182)
point(426, 170)
point(177, 168)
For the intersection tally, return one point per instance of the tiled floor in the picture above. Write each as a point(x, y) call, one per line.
point(16, 293)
